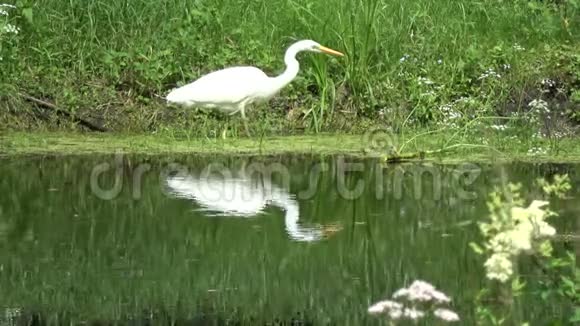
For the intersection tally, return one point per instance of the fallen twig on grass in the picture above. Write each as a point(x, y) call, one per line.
point(46, 105)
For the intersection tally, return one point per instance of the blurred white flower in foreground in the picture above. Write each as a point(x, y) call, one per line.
point(446, 315)
point(523, 230)
point(419, 299)
point(421, 291)
point(499, 267)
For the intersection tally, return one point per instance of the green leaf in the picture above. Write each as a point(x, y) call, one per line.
point(27, 13)
point(576, 317)
point(478, 250)
point(517, 285)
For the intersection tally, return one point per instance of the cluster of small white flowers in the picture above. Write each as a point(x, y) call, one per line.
point(548, 82)
point(539, 106)
point(489, 73)
point(418, 292)
point(517, 235)
point(538, 134)
point(499, 267)
point(7, 28)
point(558, 134)
point(506, 66)
point(440, 61)
point(535, 151)
point(3, 12)
point(422, 291)
point(10, 29)
point(499, 127)
point(518, 47)
point(404, 58)
point(450, 115)
point(446, 314)
point(425, 81)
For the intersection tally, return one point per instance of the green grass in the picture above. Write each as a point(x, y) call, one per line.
point(107, 60)
point(461, 147)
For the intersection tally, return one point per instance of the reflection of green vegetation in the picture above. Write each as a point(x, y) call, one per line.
point(113, 259)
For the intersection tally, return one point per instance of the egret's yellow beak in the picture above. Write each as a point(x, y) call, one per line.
point(330, 51)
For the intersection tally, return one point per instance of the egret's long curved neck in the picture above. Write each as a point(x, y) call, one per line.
point(296, 231)
point(292, 68)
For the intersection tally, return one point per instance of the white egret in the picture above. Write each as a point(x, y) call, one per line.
point(242, 196)
point(232, 89)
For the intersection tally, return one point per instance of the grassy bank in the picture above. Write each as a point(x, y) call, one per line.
point(443, 147)
point(414, 63)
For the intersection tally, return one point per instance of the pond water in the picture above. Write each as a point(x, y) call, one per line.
point(302, 240)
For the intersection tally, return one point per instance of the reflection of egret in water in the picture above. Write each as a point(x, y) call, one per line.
point(242, 196)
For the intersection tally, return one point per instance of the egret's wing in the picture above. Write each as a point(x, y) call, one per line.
point(223, 87)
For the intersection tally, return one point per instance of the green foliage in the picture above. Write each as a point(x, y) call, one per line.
point(142, 49)
point(555, 278)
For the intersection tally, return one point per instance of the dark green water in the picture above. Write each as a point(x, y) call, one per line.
point(170, 243)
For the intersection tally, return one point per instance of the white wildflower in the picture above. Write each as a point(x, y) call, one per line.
point(421, 291)
point(413, 313)
point(536, 151)
point(404, 58)
point(499, 267)
point(489, 73)
point(449, 115)
point(11, 29)
point(506, 66)
point(396, 314)
point(401, 293)
point(548, 82)
point(518, 47)
point(521, 238)
point(425, 81)
point(439, 61)
point(539, 106)
point(440, 297)
point(501, 242)
point(499, 127)
point(384, 306)
point(446, 315)
point(525, 226)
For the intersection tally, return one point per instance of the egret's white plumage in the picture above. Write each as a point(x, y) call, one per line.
point(230, 90)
